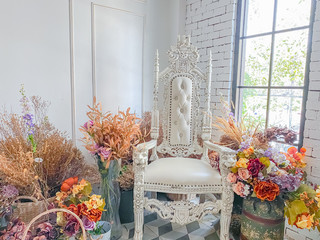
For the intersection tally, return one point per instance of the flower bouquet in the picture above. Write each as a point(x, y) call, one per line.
point(76, 196)
point(267, 179)
point(110, 138)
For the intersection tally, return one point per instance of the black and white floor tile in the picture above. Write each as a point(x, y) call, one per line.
point(156, 228)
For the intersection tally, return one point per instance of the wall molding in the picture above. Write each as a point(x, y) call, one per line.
point(93, 45)
point(72, 79)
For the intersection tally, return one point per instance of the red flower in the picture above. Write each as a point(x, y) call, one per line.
point(255, 166)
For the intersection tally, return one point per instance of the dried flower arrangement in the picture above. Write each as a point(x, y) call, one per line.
point(34, 155)
point(110, 136)
point(126, 178)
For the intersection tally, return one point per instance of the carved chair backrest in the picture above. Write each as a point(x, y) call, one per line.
point(182, 116)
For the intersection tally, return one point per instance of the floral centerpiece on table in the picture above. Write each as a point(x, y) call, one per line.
point(76, 196)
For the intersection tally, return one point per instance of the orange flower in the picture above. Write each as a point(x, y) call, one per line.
point(83, 210)
point(94, 215)
point(73, 208)
point(68, 183)
point(304, 220)
point(296, 158)
point(266, 190)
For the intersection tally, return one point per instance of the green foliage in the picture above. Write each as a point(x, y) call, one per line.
point(293, 209)
point(288, 69)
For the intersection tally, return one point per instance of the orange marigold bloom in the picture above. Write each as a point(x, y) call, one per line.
point(95, 215)
point(266, 190)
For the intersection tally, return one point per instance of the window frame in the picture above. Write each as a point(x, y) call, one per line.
point(242, 9)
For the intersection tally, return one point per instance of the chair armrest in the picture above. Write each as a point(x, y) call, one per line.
point(140, 153)
point(218, 148)
point(227, 155)
point(147, 145)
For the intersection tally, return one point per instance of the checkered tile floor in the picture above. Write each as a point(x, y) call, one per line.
point(156, 228)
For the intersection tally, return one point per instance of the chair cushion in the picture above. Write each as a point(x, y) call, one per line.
point(181, 171)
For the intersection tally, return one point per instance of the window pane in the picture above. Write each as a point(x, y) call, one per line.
point(285, 108)
point(292, 13)
point(259, 16)
point(253, 106)
point(290, 54)
point(257, 59)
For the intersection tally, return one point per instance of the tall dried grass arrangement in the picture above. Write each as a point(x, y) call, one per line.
point(117, 134)
point(61, 159)
point(233, 130)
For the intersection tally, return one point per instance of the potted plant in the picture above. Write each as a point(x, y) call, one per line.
point(268, 180)
point(110, 138)
point(126, 183)
point(76, 197)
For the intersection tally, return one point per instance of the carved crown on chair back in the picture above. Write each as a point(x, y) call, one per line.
point(184, 119)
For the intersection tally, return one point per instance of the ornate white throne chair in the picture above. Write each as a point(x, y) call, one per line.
point(182, 121)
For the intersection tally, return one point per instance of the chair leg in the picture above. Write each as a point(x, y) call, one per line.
point(226, 211)
point(138, 211)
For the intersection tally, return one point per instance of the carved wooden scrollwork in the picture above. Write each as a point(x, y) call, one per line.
point(182, 212)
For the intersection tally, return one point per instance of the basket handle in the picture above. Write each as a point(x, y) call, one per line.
point(52, 211)
point(33, 199)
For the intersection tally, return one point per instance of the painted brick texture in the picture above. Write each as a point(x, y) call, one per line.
point(211, 25)
point(312, 125)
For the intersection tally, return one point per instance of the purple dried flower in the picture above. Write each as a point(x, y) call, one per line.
point(9, 191)
point(268, 153)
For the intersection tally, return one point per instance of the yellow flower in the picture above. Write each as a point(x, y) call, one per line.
point(60, 196)
point(242, 163)
point(76, 189)
point(247, 152)
point(94, 202)
point(305, 221)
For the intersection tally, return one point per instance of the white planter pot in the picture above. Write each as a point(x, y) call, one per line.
point(106, 229)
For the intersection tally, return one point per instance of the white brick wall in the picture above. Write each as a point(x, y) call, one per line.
point(211, 24)
point(312, 125)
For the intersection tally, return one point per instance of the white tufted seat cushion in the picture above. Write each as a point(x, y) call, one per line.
point(181, 171)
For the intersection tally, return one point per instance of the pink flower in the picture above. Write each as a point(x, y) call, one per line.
point(232, 178)
point(244, 174)
point(241, 189)
point(104, 152)
point(88, 124)
point(45, 227)
point(40, 238)
point(88, 224)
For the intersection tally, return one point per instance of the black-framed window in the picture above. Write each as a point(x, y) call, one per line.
point(272, 54)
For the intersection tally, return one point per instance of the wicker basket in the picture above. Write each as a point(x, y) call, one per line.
point(36, 218)
point(26, 211)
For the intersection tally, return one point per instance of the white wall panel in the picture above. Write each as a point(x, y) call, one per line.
point(118, 58)
point(34, 50)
